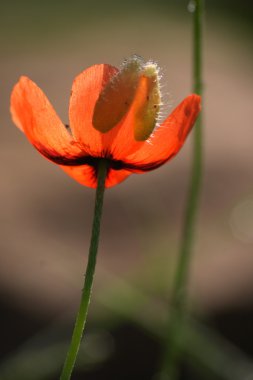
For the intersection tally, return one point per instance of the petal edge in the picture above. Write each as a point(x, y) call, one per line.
point(33, 113)
point(169, 137)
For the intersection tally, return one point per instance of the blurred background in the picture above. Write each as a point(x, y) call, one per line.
point(46, 216)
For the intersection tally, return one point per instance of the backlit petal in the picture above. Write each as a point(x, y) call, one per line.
point(168, 138)
point(85, 92)
point(34, 115)
point(116, 176)
point(129, 135)
point(86, 175)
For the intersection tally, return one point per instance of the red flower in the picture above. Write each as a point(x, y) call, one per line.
point(113, 114)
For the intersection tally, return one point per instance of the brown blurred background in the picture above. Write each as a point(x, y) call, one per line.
point(46, 216)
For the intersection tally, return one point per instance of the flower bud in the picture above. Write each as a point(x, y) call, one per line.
point(132, 94)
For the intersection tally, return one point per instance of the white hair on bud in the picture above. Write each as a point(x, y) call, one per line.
point(150, 69)
point(133, 59)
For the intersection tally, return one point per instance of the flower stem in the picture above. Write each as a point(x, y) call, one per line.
point(179, 292)
point(86, 293)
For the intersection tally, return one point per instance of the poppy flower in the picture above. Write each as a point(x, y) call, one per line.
point(113, 114)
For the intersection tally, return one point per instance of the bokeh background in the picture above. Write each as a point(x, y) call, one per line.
point(46, 216)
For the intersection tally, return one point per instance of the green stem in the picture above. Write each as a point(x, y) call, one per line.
point(179, 292)
point(86, 293)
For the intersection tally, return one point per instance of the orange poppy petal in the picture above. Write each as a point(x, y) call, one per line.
point(168, 138)
point(116, 176)
point(85, 175)
point(34, 115)
point(85, 92)
point(123, 139)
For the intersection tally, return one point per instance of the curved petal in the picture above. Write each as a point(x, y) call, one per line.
point(123, 136)
point(116, 176)
point(86, 175)
point(85, 92)
point(168, 138)
point(34, 115)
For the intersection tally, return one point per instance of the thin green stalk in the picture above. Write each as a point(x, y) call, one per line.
point(86, 293)
point(179, 292)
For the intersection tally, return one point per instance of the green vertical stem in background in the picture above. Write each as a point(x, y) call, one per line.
point(86, 293)
point(179, 291)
